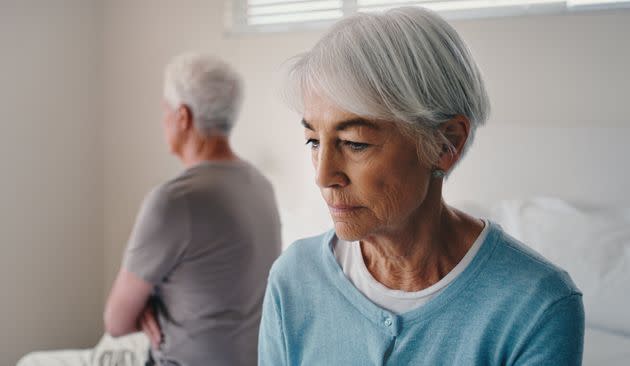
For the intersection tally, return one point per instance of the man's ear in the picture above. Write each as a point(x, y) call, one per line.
point(456, 132)
point(184, 118)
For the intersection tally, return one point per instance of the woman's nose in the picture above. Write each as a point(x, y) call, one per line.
point(329, 168)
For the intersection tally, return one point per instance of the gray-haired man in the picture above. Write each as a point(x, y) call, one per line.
point(195, 268)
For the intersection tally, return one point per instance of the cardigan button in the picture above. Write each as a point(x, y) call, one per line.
point(388, 322)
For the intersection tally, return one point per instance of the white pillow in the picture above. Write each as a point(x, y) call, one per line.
point(129, 350)
point(473, 208)
point(592, 245)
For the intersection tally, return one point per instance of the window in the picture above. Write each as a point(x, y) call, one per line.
point(284, 15)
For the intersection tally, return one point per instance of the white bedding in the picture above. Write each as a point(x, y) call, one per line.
point(130, 350)
point(605, 348)
point(600, 348)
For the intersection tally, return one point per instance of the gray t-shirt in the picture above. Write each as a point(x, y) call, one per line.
point(206, 239)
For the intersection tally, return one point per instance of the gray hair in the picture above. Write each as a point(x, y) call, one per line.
point(405, 65)
point(206, 85)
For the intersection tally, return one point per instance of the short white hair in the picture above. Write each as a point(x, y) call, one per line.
point(405, 65)
point(210, 88)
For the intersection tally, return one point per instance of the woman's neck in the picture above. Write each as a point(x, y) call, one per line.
point(423, 250)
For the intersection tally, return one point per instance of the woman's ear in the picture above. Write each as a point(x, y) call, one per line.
point(456, 132)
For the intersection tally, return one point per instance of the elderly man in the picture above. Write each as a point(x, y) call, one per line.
point(194, 271)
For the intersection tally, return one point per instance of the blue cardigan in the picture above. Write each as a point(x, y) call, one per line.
point(510, 306)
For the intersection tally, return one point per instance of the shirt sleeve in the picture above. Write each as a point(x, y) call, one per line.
point(271, 343)
point(160, 236)
point(558, 336)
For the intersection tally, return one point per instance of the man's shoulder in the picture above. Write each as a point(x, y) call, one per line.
point(165, 193)
point(164, 201)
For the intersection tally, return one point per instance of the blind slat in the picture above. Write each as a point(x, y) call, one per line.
point(294, 8)
point(598, 3)
point(293, 18)
point(451, 5)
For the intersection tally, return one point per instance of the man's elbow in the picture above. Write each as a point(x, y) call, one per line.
point(125, 304)
point(114, 331)
point(115, 327)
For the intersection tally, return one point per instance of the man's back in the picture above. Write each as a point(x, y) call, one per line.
point(207, 239)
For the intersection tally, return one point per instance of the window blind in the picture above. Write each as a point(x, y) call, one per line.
point(279, 15)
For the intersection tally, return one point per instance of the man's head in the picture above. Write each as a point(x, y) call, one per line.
point(202, 96)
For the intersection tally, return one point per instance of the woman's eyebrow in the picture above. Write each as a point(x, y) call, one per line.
point(356, 122)
point(307, 125)
point(344, 125)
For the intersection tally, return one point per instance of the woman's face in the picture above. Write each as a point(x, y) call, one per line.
point(368, 172)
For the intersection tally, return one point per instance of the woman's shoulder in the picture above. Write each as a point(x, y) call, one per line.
point(517, 265)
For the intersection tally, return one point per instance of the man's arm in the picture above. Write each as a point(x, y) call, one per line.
point(158, 240)
point(126, 303)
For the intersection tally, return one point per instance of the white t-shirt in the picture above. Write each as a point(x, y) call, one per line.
point(350, 259)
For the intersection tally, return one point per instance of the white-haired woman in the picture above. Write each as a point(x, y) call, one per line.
point(193, 274)
point(390, 104)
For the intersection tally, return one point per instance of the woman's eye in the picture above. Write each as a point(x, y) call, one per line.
point(356, 146)
point(314, 143)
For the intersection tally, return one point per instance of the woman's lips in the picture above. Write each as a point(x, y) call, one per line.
point(340, 210)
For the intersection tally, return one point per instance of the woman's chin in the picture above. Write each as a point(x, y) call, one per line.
point(349, 231)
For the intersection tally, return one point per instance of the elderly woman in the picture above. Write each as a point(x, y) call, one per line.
point(390, 104)
point(204, 240)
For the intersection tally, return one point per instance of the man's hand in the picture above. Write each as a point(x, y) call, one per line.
point(150, 326)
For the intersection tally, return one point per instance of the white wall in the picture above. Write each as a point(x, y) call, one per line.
point(51, 264)
point(558, 85)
